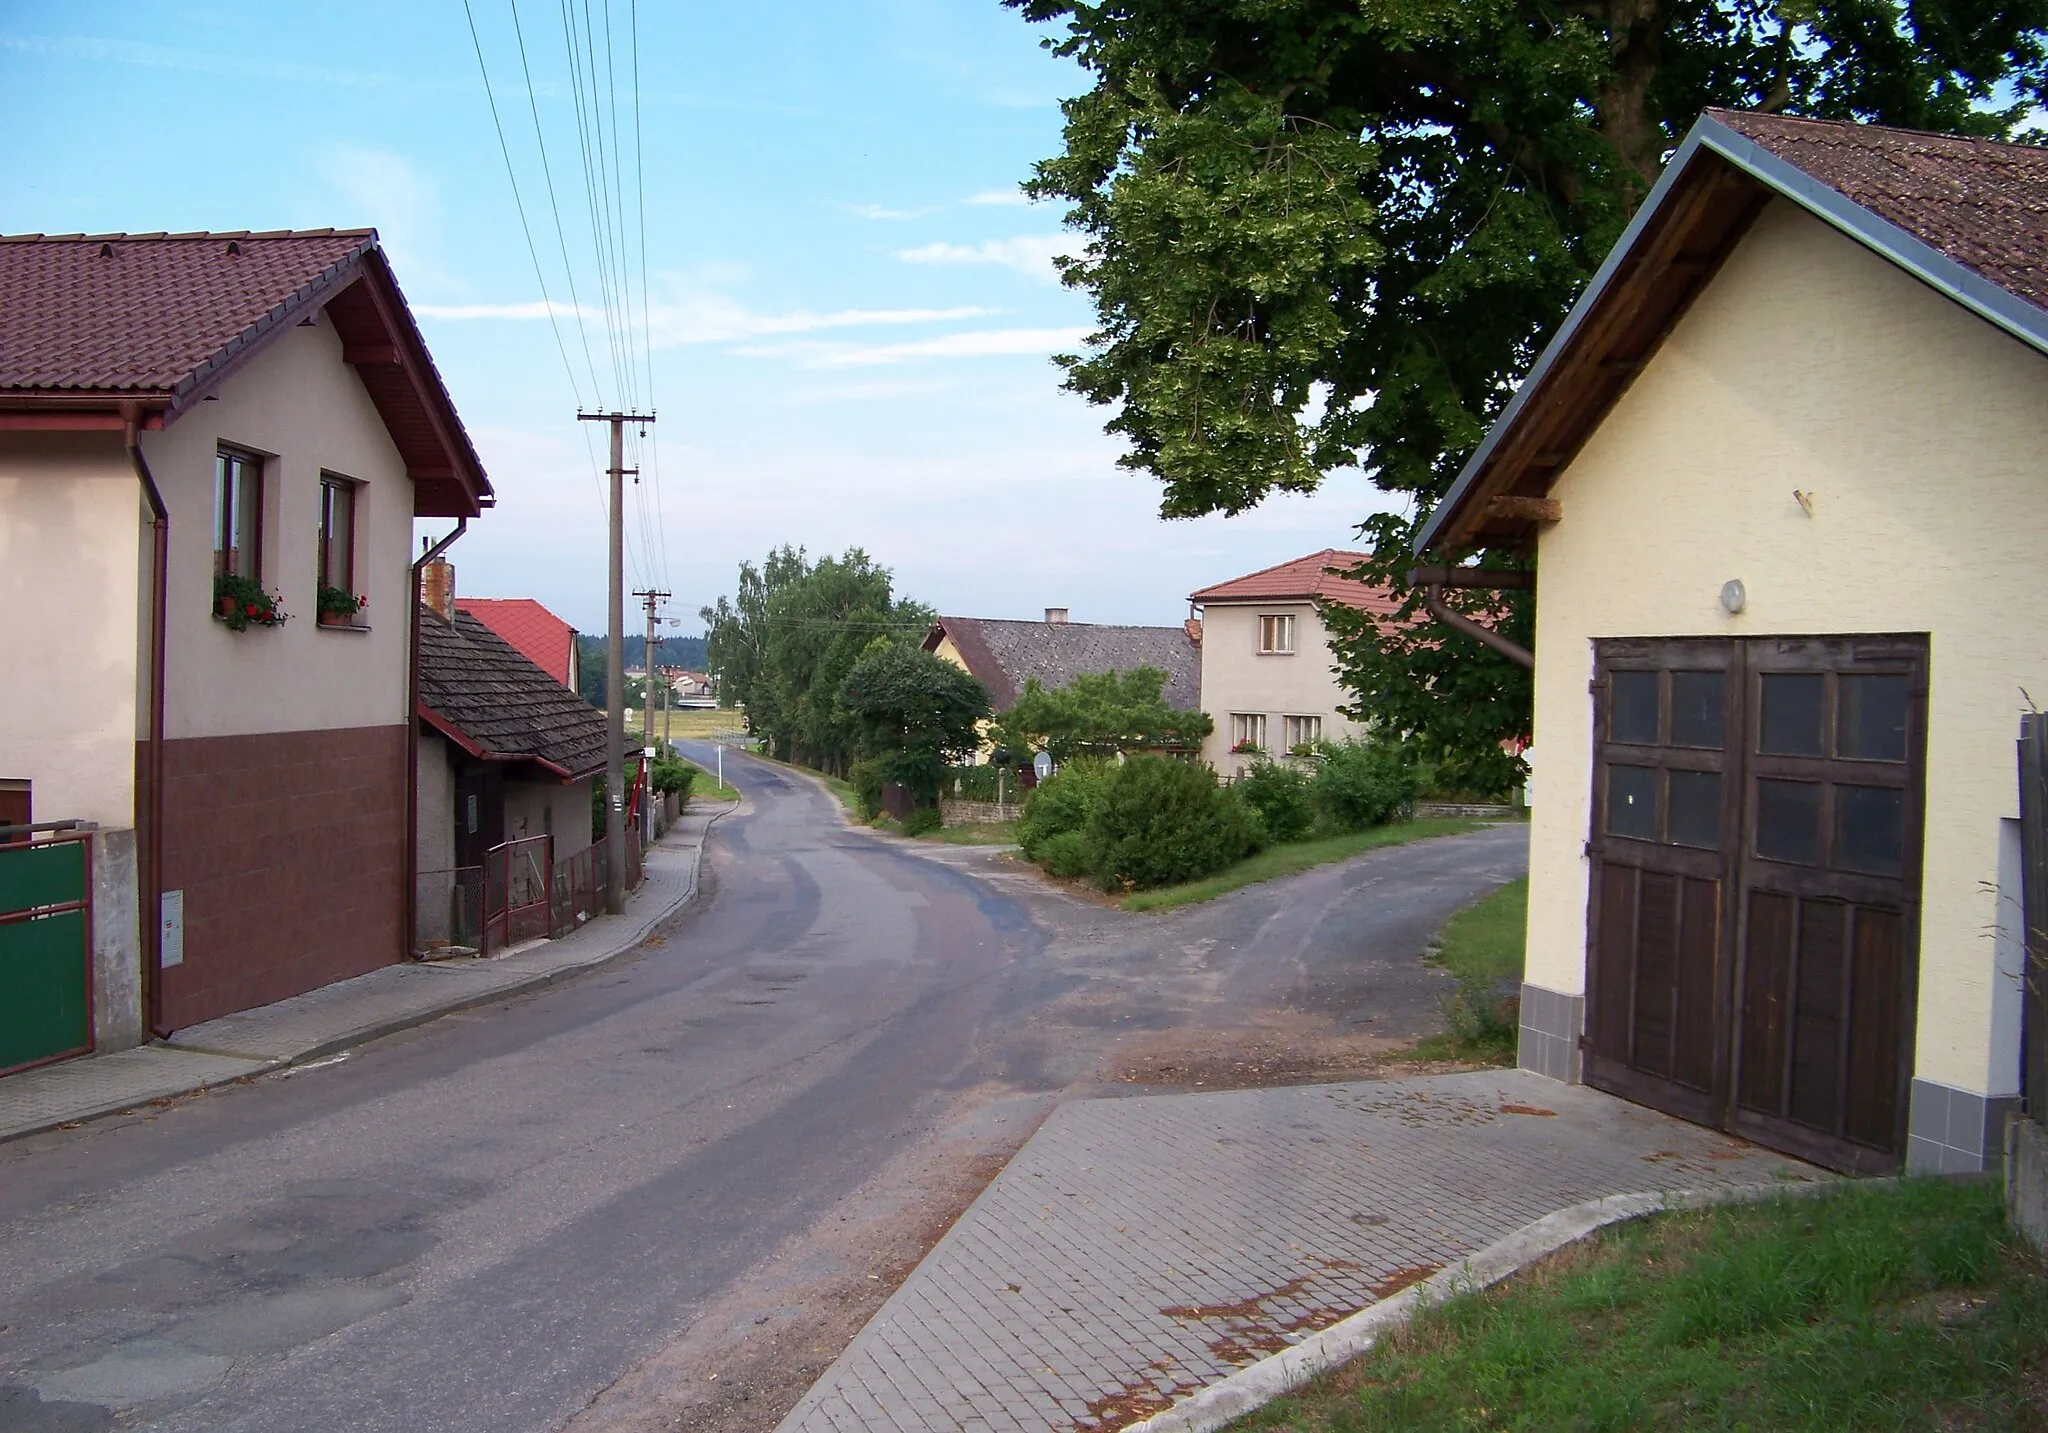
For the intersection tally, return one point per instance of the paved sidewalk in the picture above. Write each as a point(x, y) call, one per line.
point(350, 1012)
point(1138, 1249)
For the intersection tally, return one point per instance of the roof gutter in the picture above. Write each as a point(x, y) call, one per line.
point(409, 897)
point(151, 822)
point(1433, 581)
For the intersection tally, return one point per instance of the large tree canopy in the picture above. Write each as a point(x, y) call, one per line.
point(783, 645)
point(916, 713)
point(1327, 233)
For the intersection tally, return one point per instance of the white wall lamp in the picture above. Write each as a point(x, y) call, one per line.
point(1734, 596)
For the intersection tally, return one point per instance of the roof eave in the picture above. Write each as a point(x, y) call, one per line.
point(1450, 526)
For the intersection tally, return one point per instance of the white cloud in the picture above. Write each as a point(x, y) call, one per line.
point(709, 318)
point(999, 196)
point(879, 211)
point(400, 199)
point(1028, 254)
point(979, 343)
point(716, 318)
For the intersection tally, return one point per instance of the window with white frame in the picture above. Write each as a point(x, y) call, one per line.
point(237, 515)
point(1276, 632)
point(1247, 731)
point(1301, 730)
point(338, 533)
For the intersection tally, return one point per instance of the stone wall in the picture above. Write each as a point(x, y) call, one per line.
point(1470, 810)
point(978, 813)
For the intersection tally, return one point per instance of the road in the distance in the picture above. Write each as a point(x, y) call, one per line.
point(488, 1222)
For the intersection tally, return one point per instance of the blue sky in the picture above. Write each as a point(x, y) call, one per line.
point(850, 310)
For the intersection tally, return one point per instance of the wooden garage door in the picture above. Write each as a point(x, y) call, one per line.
point(1755, 870)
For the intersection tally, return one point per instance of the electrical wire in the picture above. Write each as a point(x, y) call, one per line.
point(520, 204)
point(547, 172)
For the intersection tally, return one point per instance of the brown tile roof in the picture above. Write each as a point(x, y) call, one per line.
point(479, 692)
point(1982, 203)
point(147, 311)
point(1306, 579)
point(542, 637)
point(90, 321)
point(1004, 655)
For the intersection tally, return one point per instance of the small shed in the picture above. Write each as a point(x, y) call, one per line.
point(1784, 471)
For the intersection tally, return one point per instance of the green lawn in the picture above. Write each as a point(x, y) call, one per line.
point(1482, 947)
point(1905, 1306)
point(706, 787)
point(1290, 857)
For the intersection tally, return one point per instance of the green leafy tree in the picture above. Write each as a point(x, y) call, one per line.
point(915, 714)
point(1335, 233)
point(783, 646)
point(1101, 714)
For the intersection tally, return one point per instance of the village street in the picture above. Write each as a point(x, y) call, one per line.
point(699, 1168)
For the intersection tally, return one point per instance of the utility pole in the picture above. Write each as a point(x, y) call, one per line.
point(615, 668)
point(650, 597)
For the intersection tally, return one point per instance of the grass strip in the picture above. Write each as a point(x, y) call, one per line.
point(983, 833)
point(1482, 946)
point(1903, 1306)
point(707, 787)
point(1292, 856)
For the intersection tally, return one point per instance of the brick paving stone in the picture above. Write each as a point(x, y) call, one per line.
point(1255, 1216)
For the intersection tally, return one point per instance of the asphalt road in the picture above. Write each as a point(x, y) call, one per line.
point(487, 1222)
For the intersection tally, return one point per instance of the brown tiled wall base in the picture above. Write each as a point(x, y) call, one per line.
point(289, 848)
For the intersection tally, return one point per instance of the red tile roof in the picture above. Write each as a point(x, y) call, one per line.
point(1982, 203)
point(1306, 579)
point(540, 636)
point(90, 322)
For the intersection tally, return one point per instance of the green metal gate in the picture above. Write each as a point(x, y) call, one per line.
point(45, 951)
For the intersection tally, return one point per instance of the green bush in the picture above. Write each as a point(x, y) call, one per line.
point(866, 778)
point(672, 774)
point(1061, 803)
point(1478, 1014)
point(1366, 783)
point(1161, 822)
point(1281, 796)
point(922, 821)
point(1065, 854)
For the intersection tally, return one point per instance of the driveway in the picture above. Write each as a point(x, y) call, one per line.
point(673, 1190)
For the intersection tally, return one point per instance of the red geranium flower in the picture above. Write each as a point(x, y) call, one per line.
point(254, 610)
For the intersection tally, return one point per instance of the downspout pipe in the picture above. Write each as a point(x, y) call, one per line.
point(409, 897)
point(1432, 581)
point(150, 905)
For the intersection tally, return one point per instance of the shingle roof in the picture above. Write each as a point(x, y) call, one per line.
point(1305, 579)
point(1982, 203)
point(1004, 655)
point(478, 691)
point(90, 322)
point(542, 637)
point(146, 311)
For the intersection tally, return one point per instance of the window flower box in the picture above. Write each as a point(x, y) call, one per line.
point(337, 606)
point(241, 603)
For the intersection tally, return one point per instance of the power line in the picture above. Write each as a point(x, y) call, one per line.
point(561, 237)
point(646, 320)
point(520, 204)
point(583, 140)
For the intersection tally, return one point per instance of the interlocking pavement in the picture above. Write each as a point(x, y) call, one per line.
point(1137, 1249)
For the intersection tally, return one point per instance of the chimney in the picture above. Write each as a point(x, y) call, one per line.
point(1055, 615)
point(437, 589)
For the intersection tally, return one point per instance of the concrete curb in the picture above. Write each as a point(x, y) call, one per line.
point(1252, 1388)
point(389, 1025)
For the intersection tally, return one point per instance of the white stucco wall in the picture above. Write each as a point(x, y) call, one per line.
point(73, 554)
point(1238, 677)
point(302, 407)
point(1921, 434)
point(530, 805)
